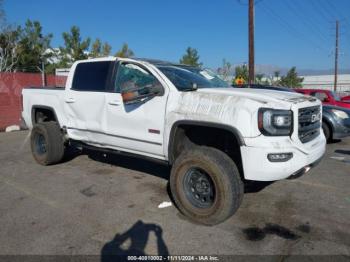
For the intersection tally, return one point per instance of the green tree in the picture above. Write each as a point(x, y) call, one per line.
point(225, 70)
point(9, 48)
point(277, 74)
point(106, 49)
point(241, 71)
point(291, 79)
point(125, 51)
point(96, 48)
point(74, 47)
point(33, 49)
point(99, 50)
point(191, 58)
point(259, 79)
point(275, 79)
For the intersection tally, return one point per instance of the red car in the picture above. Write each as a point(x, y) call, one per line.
point(326, 96)
point(345, 99)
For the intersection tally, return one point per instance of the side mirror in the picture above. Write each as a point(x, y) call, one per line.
point(326, 100)
point(138, 94)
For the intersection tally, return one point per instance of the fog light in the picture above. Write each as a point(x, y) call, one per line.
point(279, 157)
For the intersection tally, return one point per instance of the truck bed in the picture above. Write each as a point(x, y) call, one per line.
point(48, 97)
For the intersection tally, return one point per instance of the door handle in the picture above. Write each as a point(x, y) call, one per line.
point(70, 100)
point(114, 103)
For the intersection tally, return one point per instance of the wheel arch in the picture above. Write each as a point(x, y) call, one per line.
point(328, 121)
point(45, 109)
point(176, 126)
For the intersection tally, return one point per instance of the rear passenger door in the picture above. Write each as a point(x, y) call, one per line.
point(85, 100)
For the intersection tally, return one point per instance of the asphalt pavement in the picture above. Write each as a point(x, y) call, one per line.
point(96, 204)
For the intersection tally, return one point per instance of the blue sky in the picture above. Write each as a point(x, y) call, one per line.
point(288, 32)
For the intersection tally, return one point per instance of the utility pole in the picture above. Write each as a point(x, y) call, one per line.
point(251, 42)
point(336, 55)
point(43, 79)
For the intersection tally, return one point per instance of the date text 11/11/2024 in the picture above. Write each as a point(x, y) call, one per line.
point(173, 258)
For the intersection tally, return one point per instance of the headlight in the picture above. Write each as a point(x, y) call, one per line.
point(273, 122)
point(340, 114)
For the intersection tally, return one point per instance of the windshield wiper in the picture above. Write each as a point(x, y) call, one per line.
point(188, 89)
point(193, 88)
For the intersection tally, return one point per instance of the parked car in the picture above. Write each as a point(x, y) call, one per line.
point(345, 99)
point(326, 96)
point(335, 120)
point(214, 136)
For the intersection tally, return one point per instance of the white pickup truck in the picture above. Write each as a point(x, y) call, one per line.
point(214, 136)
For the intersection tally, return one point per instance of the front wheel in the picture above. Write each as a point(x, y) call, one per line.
point(206, 185)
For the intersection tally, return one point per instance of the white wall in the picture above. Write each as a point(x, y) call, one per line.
point(327, 82)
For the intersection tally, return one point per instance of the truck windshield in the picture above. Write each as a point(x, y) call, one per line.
point(189, 78)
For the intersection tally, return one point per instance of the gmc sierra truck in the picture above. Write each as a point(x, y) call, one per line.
point(214, 136)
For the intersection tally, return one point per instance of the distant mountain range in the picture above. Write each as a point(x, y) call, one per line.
point(308, 72)
point(269, 70)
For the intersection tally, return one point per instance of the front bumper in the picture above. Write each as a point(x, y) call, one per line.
point(305, 169)
point(341, 130)
point(257, 167)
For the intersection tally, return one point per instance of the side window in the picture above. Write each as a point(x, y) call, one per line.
point(320, 95)
point(132, 76)
point(91, 76)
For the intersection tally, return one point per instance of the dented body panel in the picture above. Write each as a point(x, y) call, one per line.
point(102, 119)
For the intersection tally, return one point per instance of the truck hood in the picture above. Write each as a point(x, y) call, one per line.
point(263, 95)
point(234, 107)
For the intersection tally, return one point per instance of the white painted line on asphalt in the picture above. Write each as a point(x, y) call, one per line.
point(339, 158)
point(165, 204)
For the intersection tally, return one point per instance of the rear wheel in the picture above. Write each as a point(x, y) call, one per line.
point(47, 143)
point(206, 185)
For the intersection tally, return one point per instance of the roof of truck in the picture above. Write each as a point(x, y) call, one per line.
point(155, 62)
point(158, 62)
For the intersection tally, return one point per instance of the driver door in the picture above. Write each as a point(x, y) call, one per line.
point(136, 127)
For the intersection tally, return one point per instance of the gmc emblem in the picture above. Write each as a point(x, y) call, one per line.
point(315, 117)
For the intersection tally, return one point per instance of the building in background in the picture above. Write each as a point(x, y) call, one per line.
point(327, 82)
point(62, 72)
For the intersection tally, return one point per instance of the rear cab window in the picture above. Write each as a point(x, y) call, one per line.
point(92, 76)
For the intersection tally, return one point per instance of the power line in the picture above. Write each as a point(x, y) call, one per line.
point(246, 3)
point(329, 10)
point(290, 28)
point(309, 23)
point(323, 13)
point(337, 13)
point(311, 12)
point(332, 11)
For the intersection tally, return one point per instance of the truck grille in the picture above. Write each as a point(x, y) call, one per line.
point(309, 123)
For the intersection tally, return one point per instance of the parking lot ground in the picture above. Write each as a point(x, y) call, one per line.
point(96, 204)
